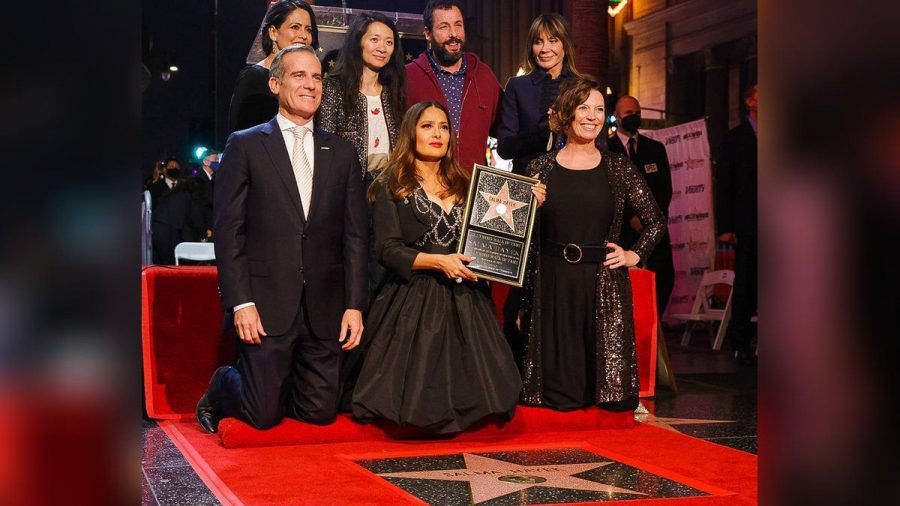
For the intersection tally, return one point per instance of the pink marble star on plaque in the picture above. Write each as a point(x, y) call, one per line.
point(501, 205)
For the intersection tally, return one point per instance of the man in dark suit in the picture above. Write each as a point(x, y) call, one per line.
point(171, 171)
point(290, 224)
point(204, 182)
point(650, 157)
point(736, 223)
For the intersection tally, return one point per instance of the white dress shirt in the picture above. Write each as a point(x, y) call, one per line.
point(286, 126)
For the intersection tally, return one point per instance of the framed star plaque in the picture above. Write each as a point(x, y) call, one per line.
point(497, 224)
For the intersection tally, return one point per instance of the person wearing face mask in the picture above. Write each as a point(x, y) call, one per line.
point(287, 22)
point(577, 313)
point(171, 172)
point(456, 79)
point(172, 214)
point(202, 195)
point(651, 160)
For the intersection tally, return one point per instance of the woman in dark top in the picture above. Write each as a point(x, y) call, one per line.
point(363, 100)
point(436, 358)
point(363, 95)
point(524, 132)
point(578, 315)
point(287, 22)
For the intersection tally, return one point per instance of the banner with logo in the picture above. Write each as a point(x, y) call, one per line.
point(691, 226)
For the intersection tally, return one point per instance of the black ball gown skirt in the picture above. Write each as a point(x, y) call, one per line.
point(437, 358)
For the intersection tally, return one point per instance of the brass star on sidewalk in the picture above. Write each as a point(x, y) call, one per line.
point(501, 205)
point(491, 478)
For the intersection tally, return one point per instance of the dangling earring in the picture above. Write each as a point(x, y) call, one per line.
point(274, 47)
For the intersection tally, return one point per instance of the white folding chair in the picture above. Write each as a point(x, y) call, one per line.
point(702, 312)
point(197, 251)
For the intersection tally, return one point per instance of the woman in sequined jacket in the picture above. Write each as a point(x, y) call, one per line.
point(363, 95)
point(577, 316)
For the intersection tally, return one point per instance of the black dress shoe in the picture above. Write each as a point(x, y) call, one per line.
point(209, 409)
point(745, 358)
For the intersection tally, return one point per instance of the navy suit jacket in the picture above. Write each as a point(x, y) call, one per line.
point(524, 128)
point(268, 253)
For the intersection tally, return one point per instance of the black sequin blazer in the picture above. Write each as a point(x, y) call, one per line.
point(355, 126)
point(617, 377)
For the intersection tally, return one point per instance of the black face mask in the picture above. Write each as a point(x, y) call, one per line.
point(631, 123)
point(173, 173)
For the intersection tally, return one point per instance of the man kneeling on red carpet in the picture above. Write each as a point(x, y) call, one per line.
point(292, 258)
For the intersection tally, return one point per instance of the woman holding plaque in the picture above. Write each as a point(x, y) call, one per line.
point(436, 358)
point(580, 347)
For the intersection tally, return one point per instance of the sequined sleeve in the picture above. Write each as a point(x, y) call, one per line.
point(640, 198)
point(331, 111)
point(537, 168)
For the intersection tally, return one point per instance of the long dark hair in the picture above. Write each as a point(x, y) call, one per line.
point(277, 13)
point(349, 66)
point(399, 177)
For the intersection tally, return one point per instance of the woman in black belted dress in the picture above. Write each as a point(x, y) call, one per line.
point(436, 357)
point(580, 345)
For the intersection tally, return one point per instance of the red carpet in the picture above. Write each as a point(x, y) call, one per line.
point(236, 434)
point(183, 343)
point(326, 473)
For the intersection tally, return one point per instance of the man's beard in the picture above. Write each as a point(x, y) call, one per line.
point(444, 57)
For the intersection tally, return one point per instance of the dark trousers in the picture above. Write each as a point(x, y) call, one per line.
point(743, 300)
point(295, 375)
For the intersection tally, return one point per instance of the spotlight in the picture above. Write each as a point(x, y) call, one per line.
point(199, 151)
point(173, 68)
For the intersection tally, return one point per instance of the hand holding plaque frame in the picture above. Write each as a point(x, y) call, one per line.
point(497, 224)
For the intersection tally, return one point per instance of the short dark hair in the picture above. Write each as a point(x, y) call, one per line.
point(278, 13)
point(428, 14)
point(171, 159)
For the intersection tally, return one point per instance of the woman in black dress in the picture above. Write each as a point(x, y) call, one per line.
point(287, 22)
point(578, 318)
point(436, 358)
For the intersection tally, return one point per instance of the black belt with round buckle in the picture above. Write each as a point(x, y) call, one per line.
point(574, 253)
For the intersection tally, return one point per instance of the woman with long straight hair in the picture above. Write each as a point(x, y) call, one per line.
point(363, 101)
point(363, 95)
point(524, 129)
point(436, 358)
